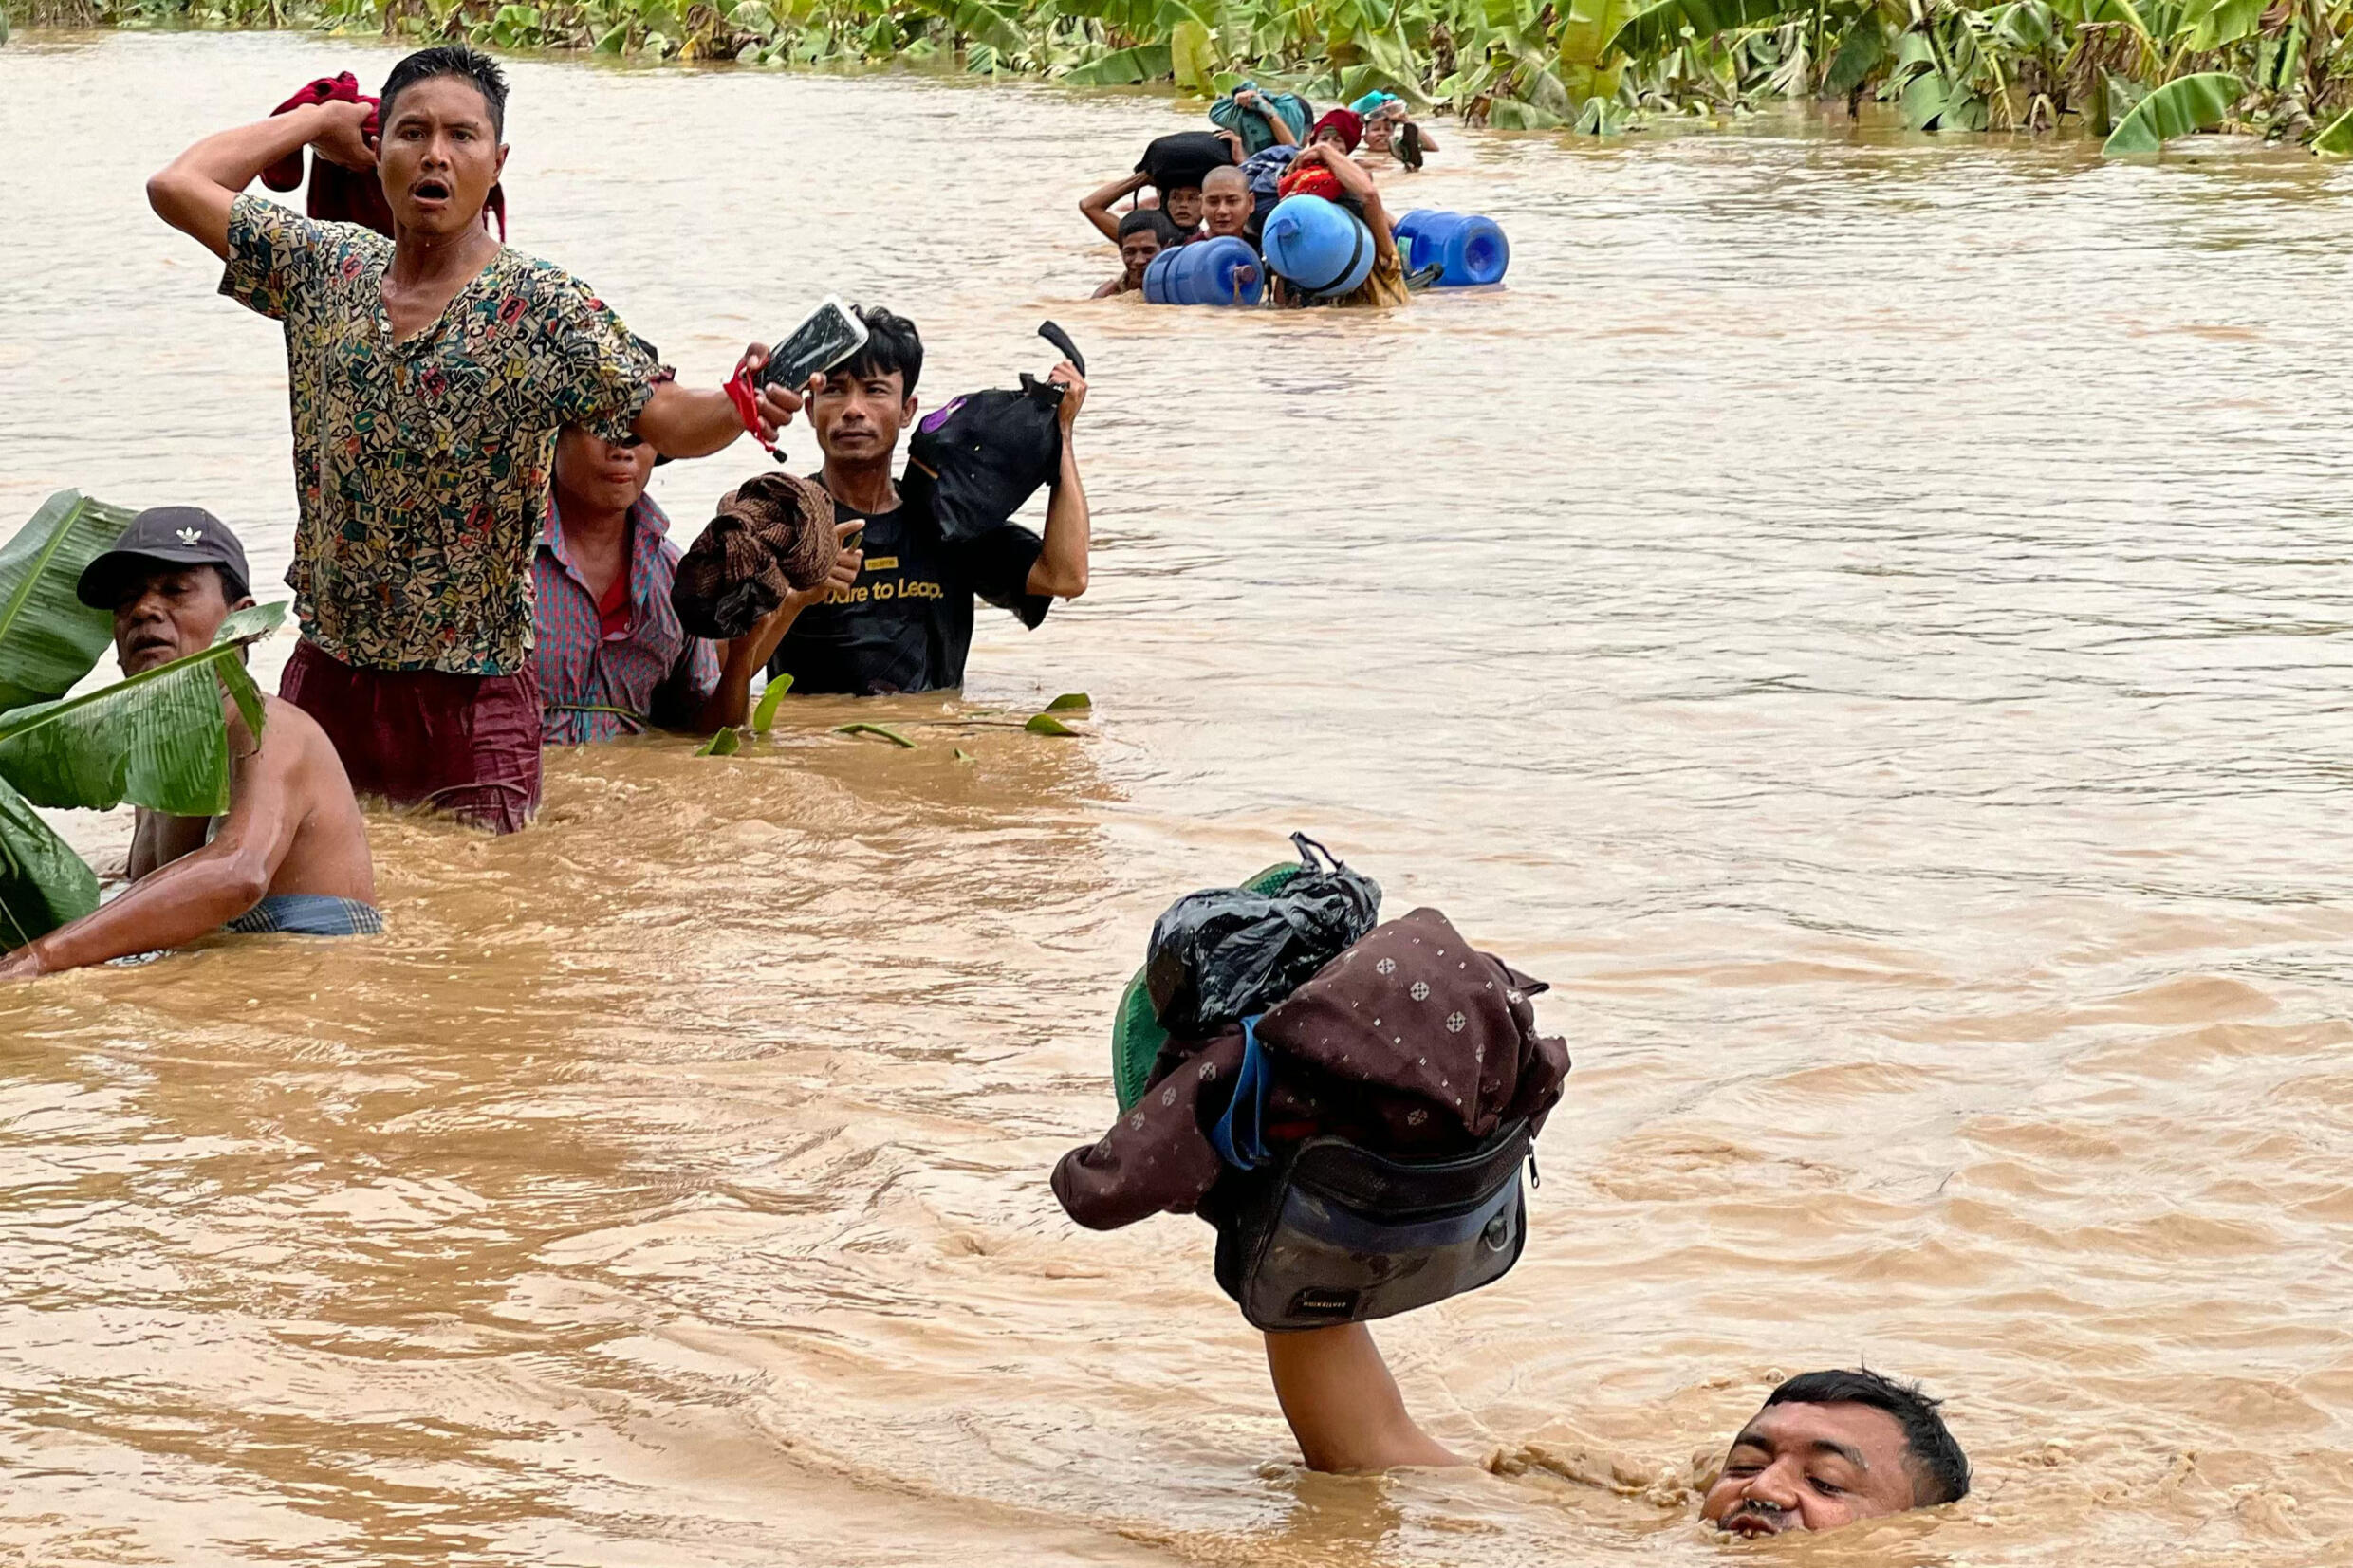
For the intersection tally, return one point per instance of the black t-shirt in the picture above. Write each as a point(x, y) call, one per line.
point(908, 623)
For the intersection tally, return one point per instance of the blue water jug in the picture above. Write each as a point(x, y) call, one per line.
point(1470, 250)
point(1217, 272)
point(1320, 247)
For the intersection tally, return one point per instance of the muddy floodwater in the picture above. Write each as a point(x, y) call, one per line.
point(1866, 616)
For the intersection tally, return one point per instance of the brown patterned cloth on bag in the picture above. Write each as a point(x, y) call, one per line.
point(1412, 1043)
point(773, 535)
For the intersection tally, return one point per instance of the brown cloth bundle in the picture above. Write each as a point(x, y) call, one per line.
point(773, 535)
point(1412, 1043)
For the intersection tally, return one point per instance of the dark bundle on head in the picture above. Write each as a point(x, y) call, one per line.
point(450, 60)
point(1940, 1469)
point(892, 343)
point(1153, 219)
point(774, 534)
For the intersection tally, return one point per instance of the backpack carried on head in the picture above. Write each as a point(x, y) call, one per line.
point(1183, 159)
point(978, 460)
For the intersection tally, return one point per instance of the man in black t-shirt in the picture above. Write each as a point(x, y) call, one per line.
point(906, 624)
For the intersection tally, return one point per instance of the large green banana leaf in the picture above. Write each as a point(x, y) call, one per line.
point(2181, 106)
point(2338, 139)
point(48, 639)
point(1146, 62)
point(1655, 27)
point(43, 882)
point(978, 21)
point(156, 739)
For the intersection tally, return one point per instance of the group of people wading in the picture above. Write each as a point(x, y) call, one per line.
point(1222, 184)
point(477, 569)
point(477, 572)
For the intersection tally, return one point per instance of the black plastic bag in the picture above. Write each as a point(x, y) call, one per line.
point(1183, 159)
point(978, 460)
point(1223, 954)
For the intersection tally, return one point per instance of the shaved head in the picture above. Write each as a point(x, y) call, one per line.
point(1226, 201)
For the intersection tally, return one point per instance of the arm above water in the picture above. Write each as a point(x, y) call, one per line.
point(1343, 1405)
point(1096, 205)
point(201, 891)
point(1357, 182)
point(193, 192)
point(1059, 570)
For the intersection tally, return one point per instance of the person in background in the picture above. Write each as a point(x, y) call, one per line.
point(1181, 205)
point(1143, 234)
point(1391, 136)
point(1226, 202)
point(292, 852)
point(611, 656)
point(907, 623)
point(1340, 128)
point(1386, 284)
point(428, 375)
point(1827, 1448)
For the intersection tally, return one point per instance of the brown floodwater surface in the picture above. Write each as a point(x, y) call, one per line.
point(1864, 614)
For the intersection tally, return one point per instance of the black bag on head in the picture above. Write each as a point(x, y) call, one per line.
point(1338, 1234)
point(1224, 953)
point(1182, 159)
point(978, 460)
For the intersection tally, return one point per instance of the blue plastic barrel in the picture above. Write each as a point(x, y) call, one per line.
point(1224, 270)
point(1322, 247)
point(1471, 249)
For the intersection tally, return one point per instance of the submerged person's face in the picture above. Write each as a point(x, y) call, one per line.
point(1377, 132)
point(605, 475)
point(171, 612)
point(858, 417)
point(438, 157)
point(1136, 253)
point(1183, 207)
point(1811, 1467)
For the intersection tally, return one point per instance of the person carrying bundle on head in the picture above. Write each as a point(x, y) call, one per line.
point(1360, 233)
point(429, 374)
point(1173, 166)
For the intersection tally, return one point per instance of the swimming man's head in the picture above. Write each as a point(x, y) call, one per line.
point(1832, 1448)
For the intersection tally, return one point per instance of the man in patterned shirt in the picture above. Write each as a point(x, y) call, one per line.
point(429, 374)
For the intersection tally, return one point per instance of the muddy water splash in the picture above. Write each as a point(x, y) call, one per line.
point(1864, 615)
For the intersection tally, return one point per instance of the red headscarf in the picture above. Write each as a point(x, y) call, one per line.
point(1347, 122)
point(1308, 179)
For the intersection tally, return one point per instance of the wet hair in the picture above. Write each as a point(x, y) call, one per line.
point(1154, 219)
point(1940, 1469)
point(891, 344)
point(448, 60)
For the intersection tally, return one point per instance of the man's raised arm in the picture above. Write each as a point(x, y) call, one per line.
point(1060, 567)
point(194, 194)
point(1343, 1405)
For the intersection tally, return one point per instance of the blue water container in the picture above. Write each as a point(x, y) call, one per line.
point(1219, 272)
point(1471, 249)
point(1322, 247)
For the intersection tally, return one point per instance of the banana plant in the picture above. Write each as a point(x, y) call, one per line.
point(50, 638)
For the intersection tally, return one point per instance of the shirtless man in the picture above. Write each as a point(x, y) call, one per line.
point(1827, 1448)
point(292, 852)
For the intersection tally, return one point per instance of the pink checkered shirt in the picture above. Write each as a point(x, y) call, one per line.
point(582, 670)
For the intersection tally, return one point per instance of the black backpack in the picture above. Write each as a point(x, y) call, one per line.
point(978, 460)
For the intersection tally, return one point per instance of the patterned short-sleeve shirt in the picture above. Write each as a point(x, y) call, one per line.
point(421, 467)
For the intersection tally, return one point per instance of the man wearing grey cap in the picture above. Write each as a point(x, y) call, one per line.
point(292, 852)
